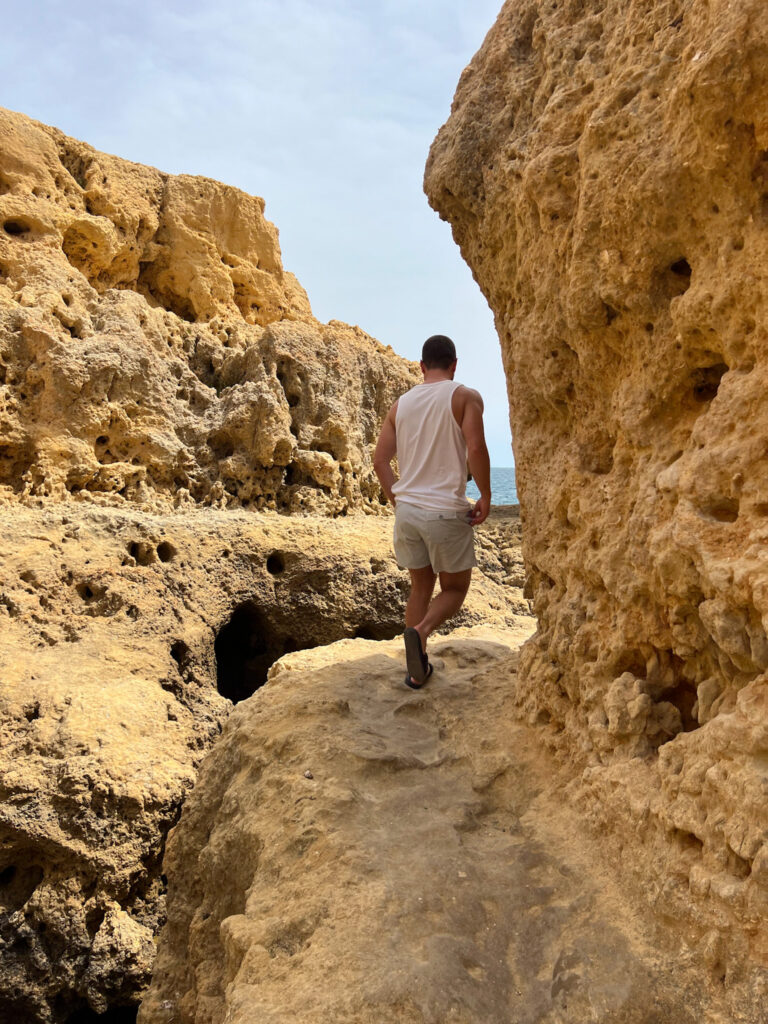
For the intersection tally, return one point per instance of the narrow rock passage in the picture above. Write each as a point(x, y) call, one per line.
point(356, 852)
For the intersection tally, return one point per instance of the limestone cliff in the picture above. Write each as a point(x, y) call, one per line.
point(605, 171)
point(153, 347)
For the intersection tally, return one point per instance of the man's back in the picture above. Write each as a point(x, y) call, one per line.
point(431, 449)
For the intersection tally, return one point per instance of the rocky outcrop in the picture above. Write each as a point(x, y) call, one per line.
point(605, 172)
point(360, 854)
point(164, 392)
point(123, 637)
point(153, 348)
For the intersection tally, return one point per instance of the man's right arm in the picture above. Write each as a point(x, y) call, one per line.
point(386, 449)
point(477, 454)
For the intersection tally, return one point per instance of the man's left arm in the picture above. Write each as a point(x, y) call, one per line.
point(386, 450)
point(477, 454)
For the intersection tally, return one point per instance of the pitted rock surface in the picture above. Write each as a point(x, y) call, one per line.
point(605, 171)
point(153, 349)
point(122, 633)
point(359, 853)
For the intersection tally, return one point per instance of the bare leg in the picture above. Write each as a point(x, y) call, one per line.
point(453, 590)
point(422, 585)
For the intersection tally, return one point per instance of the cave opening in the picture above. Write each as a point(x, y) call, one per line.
point(246, 647)
point(114, 1015)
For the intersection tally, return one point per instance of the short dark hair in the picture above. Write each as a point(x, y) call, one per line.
point(438, 352)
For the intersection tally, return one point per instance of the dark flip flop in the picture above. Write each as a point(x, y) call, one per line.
point(415, 658)
point(417, 686)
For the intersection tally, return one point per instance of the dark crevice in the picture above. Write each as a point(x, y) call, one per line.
point(16, 227)
point(246, 648)
point(114, 1015)
point(706, 381)
point(275, 563)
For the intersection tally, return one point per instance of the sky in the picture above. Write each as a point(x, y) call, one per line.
point(327, 109)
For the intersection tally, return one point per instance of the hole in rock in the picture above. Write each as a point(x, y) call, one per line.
point(166, 552)
point(85, 591)
point(17, 884)
point(114, 1015)
point(675, 279)
point(143, 553)
point(683, 697)
point(94, 919)
point(737, 865)
point(182, 655)
point(706, 381)
point(275, 563)
point(374, 631)
point(221, 446)
point(724, 510)
point(688, 840)
point(246, 647)
point(681, 268)
point(32, 711)
point(15, 227)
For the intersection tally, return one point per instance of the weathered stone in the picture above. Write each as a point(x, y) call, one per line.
point(155, 358)
point(152, 346)
point(115, 627)
point(605, 173)
point(427, 872)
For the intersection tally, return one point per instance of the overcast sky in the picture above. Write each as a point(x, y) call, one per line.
point(326, 109)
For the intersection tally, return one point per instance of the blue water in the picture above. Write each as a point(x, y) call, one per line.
point(503, 488)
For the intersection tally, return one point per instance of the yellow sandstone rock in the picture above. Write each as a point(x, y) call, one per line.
point(152, 345)
point(605, 172)
point(159, 372)
point(357, 853)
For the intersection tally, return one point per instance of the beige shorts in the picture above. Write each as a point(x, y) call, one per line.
point(444, 540)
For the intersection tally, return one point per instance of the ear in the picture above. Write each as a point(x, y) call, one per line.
point(423, 367)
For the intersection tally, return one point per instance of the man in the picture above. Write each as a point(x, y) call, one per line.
point(435, 430)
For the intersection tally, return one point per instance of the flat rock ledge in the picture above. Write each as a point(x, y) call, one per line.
point(357, 852)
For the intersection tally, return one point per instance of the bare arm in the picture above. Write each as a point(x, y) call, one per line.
point(386, 449)
point(477, 453)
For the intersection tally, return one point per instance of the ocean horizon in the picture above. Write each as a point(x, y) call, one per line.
point(503, 486)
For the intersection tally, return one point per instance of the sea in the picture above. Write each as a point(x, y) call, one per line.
point(503, 489)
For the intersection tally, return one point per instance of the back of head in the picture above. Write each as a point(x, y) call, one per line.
point(438, 352)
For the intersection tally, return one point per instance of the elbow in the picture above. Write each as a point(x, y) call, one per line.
point(477, 450)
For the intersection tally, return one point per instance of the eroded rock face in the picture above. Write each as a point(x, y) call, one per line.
point(605, 172)
point(357, 853)
point(123, 636)
point(152, 346)
point(155, 358)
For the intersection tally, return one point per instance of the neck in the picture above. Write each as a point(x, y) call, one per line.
point(433, 376)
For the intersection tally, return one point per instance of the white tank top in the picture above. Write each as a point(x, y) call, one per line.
point(431, 450)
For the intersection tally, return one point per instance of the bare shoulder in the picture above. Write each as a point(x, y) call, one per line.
point(465, 396)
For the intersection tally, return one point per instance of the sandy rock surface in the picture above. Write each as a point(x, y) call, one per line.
point(153, 348)
point(122, 633)
point(605, 171)
point(358, 853)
